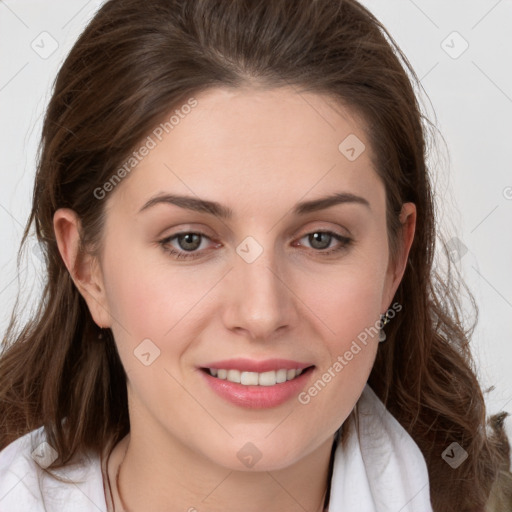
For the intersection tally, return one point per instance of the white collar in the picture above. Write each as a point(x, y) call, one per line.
point(380, 468)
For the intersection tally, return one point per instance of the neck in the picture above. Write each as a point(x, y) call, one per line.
point(149, 480)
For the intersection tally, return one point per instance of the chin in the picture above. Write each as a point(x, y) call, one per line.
point(262, 454)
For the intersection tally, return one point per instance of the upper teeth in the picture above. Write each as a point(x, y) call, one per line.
point(255, 379)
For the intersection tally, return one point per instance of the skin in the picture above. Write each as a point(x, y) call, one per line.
point(259, 152)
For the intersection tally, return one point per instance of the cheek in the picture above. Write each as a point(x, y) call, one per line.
point(149, 312)
point(349, 310)
point(147, 297)
point(351, 315)
point(349, 299)
point(158, 303)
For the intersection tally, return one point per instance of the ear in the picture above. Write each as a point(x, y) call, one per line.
point(396, 269)
point(84, 269)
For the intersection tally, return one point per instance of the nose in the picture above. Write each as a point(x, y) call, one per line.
point(259, 297)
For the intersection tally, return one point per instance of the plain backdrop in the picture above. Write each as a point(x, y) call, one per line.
point(461, 51)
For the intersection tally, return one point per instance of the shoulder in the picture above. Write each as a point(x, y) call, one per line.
point(25, 484)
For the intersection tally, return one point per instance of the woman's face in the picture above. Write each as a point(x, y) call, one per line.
point(262, 291)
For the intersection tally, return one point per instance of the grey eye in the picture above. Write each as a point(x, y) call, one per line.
point(189, 241)
point(320, 240)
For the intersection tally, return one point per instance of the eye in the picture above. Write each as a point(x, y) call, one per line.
point(321, 241)
point(188, 244)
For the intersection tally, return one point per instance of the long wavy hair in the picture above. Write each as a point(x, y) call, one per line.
point(134, 63)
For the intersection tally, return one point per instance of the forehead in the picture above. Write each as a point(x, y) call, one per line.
point(255, 143)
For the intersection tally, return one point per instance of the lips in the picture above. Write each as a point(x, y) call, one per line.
point(257, 384)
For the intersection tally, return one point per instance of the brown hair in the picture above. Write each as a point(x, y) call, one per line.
point(136, 61)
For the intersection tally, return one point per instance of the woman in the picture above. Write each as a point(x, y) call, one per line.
point(241, 309)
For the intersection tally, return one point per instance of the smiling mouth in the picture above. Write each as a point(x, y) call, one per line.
point(270, 378)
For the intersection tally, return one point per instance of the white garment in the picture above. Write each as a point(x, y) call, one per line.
point(381, 469)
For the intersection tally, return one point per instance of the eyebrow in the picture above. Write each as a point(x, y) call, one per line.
point(224, 212)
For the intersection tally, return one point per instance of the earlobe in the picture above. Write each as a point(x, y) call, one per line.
point(82, 267)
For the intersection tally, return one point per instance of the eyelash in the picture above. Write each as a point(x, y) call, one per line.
point(345, 243)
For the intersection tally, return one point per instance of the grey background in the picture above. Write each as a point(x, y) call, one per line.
point(470, 90)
